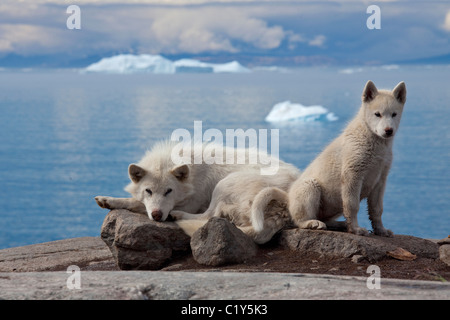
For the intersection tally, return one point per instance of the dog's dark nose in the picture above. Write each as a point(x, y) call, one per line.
point(389, 131)
point(157, 215)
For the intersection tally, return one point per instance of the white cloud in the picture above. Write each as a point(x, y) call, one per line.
point(199, 26)
point(211, 29)
point(26, 38)
point(143, 29)
point(446, 24)
point(180, 30)
point(189, 31)
point(318, 41)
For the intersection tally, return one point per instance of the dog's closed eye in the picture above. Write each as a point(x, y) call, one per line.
point(167, 192)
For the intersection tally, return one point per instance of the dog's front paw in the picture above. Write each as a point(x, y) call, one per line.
point(317, 225)
point(312, 224)
point(359, 231)
point(104, 202)
point(383, 232)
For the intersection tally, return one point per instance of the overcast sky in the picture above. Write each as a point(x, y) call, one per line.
point(265, 31)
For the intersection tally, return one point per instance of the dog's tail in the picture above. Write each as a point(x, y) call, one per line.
point(191, 225)
point(260, 203)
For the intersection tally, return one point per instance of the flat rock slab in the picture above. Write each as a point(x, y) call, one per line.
point(336, 244)
point(138, 243)
point(160, 285)
point(55, 255)
point(220, 242)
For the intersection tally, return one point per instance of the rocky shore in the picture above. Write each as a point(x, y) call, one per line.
point(330, 264)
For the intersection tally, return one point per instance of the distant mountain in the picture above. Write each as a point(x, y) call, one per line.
point(246, 59)
point(47, 61)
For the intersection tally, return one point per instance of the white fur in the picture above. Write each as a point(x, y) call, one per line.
point(353, 167)
point(244, 198)
point(158, 185)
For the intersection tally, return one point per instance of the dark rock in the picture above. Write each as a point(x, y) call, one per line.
point(444, 241)
point(138, 243)
point(219, 242)
point(335, 244)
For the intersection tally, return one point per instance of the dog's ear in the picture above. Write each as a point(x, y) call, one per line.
point(399, 92)
point(181, 172)
point(136, 173)
point(369, 92)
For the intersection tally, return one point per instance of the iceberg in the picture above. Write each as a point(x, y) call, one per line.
point(191, 65)
point(273, 69)
point(287, 111)
point(230, 67)
point(129, 63)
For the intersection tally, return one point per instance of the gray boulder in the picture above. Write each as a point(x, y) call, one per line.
point(335, 244)
point(86, 253)
point(444, 250)
point(138, 243)
point(220, 242)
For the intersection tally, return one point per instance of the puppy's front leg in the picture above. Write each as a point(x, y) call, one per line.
point(121, 203)
point(351, 190)
point(375, 206)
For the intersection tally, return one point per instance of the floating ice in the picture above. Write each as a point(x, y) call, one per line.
point(191, 65)
point(272, 69)
point(129, 63)
point(232, 66)
point(287, 111)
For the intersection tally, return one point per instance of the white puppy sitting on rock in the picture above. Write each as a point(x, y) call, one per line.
point(353, 167)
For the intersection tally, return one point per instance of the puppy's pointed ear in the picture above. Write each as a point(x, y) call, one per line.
point(399, 92)
point(369, 92)
point(136, 173)
point(181, 172)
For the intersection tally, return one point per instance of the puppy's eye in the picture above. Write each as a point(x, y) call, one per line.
point(378, 114)
point(149, 191)
point(394, 114)
point(167, 192)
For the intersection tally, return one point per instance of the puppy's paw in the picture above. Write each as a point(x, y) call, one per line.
point(318, 225)
point(359, 231)
point(104, 202)
point(383, 232)
point(313, 224)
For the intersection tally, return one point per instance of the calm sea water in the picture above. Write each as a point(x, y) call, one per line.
point(66, 137)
